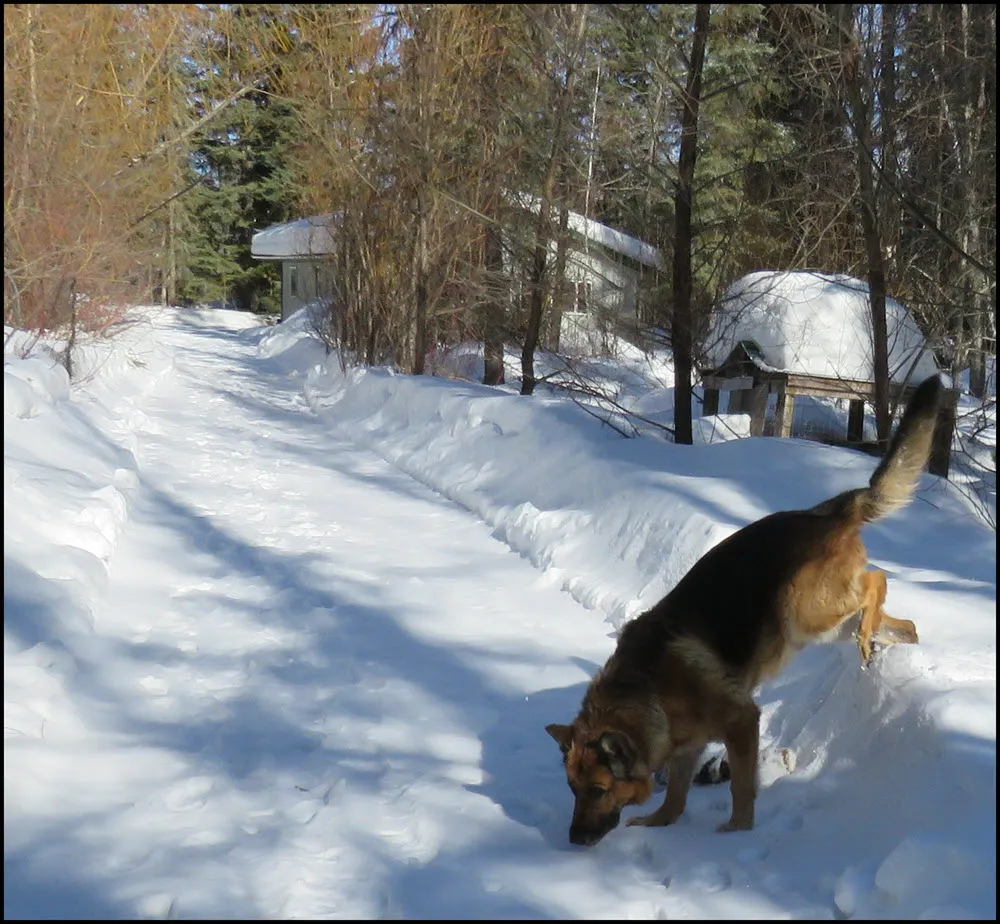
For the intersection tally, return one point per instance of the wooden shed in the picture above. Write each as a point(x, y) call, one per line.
point(749, 380)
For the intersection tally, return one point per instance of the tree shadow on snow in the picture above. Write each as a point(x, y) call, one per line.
point(278, 725)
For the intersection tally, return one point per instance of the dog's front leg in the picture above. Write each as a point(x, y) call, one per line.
point(680, 770)
point(873, 586)
point(742, 741)
point(876, 625)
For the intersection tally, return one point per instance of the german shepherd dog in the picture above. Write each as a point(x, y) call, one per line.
point(684, 672)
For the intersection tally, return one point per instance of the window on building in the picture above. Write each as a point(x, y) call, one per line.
point(293, 281)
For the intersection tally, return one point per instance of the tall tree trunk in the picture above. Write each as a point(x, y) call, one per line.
point(861, 123)
point(543, 226)
point(421, 272)
point(494, 310)
point(16, 314)
point(536, 296)
point(681, 326)
point(426, 35)
point(559, 281)
point(971, 121)
point(170, 275)
point(492, 313)
point(31, 116)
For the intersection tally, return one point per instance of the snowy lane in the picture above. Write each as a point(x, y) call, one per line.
point(286, 716)
point(252, 669)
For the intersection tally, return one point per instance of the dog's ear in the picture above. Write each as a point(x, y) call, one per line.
point(620, 753)
point(563, 735)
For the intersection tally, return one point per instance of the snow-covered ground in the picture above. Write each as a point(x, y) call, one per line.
point(281, 641)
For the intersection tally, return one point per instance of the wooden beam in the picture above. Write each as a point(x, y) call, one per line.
point(748, 398)
point(821, 386)
point(721, 383)
point(783, 414)
point(856, 421)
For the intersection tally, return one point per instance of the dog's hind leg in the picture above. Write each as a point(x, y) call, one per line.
point(742, 740)
point(876, 625)
point(680, 770)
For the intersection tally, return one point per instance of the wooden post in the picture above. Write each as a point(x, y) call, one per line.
point(711, 403)
point(783, 414)
point(856, 421)
point(755, 402)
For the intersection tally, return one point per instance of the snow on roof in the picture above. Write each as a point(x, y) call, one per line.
point(814, 323)
point(305, 237)
point(606, 236)
point(311, 237)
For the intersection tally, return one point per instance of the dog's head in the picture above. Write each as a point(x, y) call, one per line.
point(604, 771)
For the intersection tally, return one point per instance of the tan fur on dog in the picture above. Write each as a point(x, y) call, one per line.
point(684, 672)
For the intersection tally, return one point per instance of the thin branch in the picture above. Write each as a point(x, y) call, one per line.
point(167, 202)
point(190, 130)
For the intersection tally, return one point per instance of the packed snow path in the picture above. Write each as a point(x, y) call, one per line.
point(315, 688)
point(309, 688)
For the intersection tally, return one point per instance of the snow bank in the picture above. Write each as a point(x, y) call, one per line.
point(103, 366)
point(32, 383)
point(47, 417)
point(718, 427)
point(541, 472)
point(644, 503)
point(617, 522)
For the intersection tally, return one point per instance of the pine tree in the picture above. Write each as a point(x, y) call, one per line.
point(243, 164)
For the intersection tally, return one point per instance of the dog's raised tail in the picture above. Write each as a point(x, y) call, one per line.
point(897, 475)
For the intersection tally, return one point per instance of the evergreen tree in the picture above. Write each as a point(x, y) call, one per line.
point(242, 162)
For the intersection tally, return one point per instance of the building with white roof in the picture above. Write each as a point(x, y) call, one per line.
point(603, 266)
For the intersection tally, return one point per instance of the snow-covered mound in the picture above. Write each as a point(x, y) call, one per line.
point(35, 375)
point(815, 324)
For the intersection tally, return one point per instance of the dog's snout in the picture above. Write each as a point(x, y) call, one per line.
point(583, 838)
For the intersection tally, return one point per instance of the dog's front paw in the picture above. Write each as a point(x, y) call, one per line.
point(734, 825)
point(870, 652)
point(866, 648)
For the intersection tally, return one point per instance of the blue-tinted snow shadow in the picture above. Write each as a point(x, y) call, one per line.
point(251, 739)
point(277, 728)
point(32, 892)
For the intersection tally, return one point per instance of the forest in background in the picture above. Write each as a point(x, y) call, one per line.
point(145, 144)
